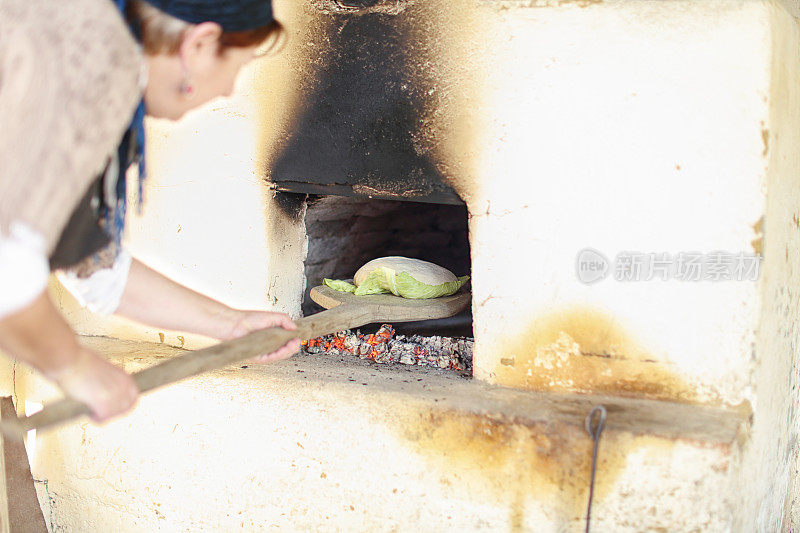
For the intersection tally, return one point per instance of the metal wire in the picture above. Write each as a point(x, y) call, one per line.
point(595, 423)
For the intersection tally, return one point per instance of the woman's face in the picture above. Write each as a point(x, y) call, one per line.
point(197, 74)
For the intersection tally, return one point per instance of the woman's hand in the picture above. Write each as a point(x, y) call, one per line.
point(106, 389)
point(153, 299)
point(244, 322)
point(39, 336)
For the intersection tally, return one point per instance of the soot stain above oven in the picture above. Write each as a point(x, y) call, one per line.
point(362, 112)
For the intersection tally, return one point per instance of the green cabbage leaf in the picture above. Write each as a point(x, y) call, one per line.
point(339, 285)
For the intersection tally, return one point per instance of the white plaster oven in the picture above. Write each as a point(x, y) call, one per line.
point(654, 126)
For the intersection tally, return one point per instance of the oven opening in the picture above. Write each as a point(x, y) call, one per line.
point(345, 232)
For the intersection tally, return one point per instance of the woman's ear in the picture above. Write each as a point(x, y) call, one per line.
point(200, 40)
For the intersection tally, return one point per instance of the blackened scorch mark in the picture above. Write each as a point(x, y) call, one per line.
point(361, 111)
point(291, 204)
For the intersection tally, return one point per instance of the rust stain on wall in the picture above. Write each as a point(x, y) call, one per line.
point(582, 350)
point(516, 463)
point(758, 242)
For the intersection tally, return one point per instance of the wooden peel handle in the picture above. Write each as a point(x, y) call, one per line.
point(193, 363)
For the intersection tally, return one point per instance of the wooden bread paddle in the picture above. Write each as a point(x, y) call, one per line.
point(343, 311)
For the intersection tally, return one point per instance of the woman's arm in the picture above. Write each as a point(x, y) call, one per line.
point(39, 336)
point(153, 299)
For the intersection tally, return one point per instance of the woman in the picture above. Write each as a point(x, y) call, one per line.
point(72, 82)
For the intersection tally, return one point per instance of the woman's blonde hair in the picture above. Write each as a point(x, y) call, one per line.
point(162, 33)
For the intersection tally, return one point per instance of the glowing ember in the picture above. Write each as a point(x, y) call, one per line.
point(384, 346)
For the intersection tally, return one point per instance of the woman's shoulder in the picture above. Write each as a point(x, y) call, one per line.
point(71, 79)
point(81, 41)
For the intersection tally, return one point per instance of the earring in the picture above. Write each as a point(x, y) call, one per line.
point(186, 87)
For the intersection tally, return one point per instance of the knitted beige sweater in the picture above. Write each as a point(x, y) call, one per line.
point(69, 84)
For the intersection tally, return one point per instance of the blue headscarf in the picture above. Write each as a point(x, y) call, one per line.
point(232, 15)
point(130, 151)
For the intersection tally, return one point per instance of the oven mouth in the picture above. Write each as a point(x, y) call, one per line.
point(345, 232)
